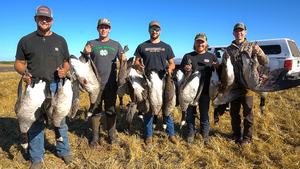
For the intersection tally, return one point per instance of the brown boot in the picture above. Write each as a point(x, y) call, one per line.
point(95, 131)
point(173, 139)
point(148, 141)
point(111, 128)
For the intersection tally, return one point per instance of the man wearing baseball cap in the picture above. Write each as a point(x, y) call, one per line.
point(233, 51)
point(104, 52)
point(154, 53)
point(203, 61)
point(33, 49)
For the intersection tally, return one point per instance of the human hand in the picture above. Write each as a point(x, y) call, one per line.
point(255, 49)
point(123, 56)
point(215, 65)
point(187, 67)
point(27, 79)
point(61, 73)
point(88, 49)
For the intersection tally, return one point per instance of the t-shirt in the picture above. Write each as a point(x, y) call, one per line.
point(204, 61)
point(44, 54)
point(104, 55)
point(154, 55)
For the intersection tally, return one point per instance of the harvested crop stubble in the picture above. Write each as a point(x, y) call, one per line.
point(276, 138)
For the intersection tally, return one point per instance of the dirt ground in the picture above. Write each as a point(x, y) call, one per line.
point(7, 68)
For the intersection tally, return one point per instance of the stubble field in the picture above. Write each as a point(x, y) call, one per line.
point(276, 138)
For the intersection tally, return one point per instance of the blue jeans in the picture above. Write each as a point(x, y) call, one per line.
point(36, 137)
point(204, 118)
point(148, 121)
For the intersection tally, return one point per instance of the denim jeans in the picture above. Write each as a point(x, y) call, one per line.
point(36, 137)
point(148, 121)
point(204, 118)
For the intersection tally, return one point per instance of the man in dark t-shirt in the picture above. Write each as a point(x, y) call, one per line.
point(154, 53)
point(104, 52)
point(208, 62)
point(44, 51)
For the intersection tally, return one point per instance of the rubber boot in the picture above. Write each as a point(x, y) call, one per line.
point(111, 129)
point(95, 131)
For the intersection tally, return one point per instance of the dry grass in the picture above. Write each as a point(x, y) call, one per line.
point(276, 139)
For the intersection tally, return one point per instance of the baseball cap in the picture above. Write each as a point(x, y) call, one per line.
point(43, 11)
point(201, 36)
point(154, 23)
point(239, 25)
point(104, 21)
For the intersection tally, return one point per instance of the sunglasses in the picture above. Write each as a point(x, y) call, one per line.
point(154, 29)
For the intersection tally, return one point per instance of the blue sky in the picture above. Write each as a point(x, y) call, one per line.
point(180, 21)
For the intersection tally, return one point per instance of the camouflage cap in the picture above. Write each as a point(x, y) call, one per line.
point(154, 22)
point(239, 25)
point(103, 21)
point(43, 11)
point(201, 36)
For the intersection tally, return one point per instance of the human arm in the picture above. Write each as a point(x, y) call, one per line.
point(171, 67)
point(138, 65)
point(262, 58)
point(20, 68)
point(186, 64)
point(62, 72)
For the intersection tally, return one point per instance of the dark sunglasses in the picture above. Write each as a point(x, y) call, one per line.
point(154, 29)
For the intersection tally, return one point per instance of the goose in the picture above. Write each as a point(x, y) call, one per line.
point(169, 97)
point(155, 85)
point(123, 73)
point(125, 67)
point(28, 106)
point(190, 90)
point(86, 72)
point(260, 78)
point(58, 106)
point(137, 88)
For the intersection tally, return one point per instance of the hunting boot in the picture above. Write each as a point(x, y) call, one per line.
point(95, 131)
point(205, 138)
point(190, 137)
point(111, 128)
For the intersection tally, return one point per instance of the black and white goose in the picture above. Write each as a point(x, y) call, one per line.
point(64, 102)
point(190, 87)
point(28, 106)
point(137, 88)
point(155, 85)
point(86, 72)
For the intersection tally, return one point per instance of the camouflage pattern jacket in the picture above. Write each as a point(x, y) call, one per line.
point(233, 50)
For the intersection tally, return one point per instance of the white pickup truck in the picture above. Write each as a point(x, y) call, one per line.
point(281, 52)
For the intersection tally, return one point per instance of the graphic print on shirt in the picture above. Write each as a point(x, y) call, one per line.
point(155, 49)
point(103, 50)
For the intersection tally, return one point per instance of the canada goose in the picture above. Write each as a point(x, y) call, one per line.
point(28, 106)
point(124, 70)
point(87, 75)
point(260, 78)
point(58, 106)
point(125, 67)
point(155, 85)
point(169, 97)
point(137, 88)
point(190, 90)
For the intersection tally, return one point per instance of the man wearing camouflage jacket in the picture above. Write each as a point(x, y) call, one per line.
point(238, 45)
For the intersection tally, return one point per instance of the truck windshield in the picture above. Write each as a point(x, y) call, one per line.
point(294, 49)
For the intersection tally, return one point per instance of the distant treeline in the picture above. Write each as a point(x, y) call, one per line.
point(7, 62)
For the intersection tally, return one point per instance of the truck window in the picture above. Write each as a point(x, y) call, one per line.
point(294, 49)
point(271, 49)
point(219, 52)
